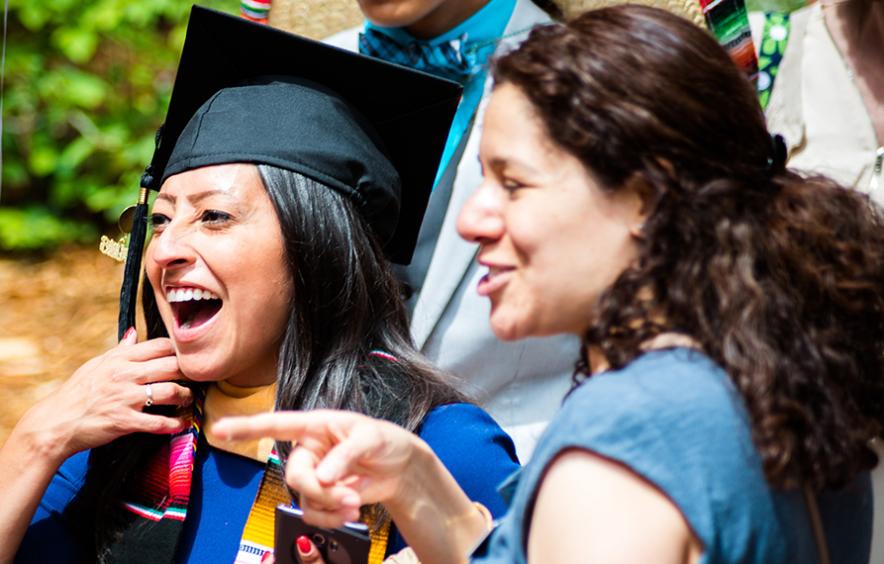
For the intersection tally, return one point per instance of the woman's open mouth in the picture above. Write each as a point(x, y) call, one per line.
point(193, 307)
point(495, 279)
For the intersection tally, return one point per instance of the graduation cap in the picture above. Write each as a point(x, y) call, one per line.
point(246, 92)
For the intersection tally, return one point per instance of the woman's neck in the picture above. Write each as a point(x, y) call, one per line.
point(260, 374)
point(445, 17)
point(857, 29)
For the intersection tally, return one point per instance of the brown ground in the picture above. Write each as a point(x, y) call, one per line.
point(55, 313)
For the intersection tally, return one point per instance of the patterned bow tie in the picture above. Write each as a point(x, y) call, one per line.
point(454, 60)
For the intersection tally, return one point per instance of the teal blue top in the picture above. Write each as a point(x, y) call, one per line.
point(481, 32)
point(674, 418)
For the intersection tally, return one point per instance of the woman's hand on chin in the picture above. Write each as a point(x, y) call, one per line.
point(104, 400)
point(340, 460)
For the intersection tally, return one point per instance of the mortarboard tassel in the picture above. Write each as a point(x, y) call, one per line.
point(132, 271)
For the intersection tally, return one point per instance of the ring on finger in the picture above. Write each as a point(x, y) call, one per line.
point(148, 391)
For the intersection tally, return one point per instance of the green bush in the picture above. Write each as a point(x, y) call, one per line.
point(87, 84)
point(774, 5)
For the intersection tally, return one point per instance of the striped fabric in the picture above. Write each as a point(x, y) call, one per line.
point(258, 534)
point(255, 10)
point(163, 494)
point(728, 20)
point(168, 478)
point(168, 475)
point(155, 512)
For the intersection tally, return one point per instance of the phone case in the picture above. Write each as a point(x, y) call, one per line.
point(346, 545)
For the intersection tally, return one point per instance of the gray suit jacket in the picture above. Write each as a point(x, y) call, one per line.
point(521, 384)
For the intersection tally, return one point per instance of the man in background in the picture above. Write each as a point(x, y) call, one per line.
point(522, 383)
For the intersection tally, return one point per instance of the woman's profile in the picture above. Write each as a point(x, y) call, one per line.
point(283, 189)
point(731, 313)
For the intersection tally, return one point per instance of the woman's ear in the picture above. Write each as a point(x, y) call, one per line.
point(642, 199)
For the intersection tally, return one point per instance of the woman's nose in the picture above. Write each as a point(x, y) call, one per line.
point(171, 248)
point(480, 219)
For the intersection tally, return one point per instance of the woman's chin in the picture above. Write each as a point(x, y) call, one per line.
point(198, 372)
point(507, 328)
point(509, 325)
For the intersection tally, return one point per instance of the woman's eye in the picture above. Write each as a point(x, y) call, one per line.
point(158, 221)
point(511, 185)
point(215, 216)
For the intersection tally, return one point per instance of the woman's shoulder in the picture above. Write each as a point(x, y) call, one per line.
point(477, 452)
point(674, 418)
point(67, 481)
point(659, 385)
point(457, 429)
point(459, 415)
point(673, 406)
point(48, 538)
point(667, 404)
point(474, 449)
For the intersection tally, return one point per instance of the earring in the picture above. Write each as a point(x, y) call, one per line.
point(117, 249)
point(638, 230)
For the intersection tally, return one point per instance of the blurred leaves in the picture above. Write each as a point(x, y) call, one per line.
point(774, 5)
point(87, 84)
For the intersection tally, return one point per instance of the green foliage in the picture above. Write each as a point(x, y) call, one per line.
point(87, 84)
point(774, 5)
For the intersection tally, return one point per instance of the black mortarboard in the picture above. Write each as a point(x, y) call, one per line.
point(246, 92)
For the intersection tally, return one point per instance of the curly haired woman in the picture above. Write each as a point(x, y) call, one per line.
point(731, 311)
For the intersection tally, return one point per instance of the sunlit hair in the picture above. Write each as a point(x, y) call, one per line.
point(778, 276)
point(345, 303)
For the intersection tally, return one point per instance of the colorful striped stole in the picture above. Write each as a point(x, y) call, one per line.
point(257, 537)
point(157, 509)
point(728, 20)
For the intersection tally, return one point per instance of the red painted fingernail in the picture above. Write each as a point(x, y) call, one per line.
point(304, 545)
point(129, 333)
point(267, 556)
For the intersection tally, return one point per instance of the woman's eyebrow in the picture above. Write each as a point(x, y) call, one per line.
point(193, 198)
point(512, 164)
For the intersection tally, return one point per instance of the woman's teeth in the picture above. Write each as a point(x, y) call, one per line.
point(189, 294)
point(494, 271)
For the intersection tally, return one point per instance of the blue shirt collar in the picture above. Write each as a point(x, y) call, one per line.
point(486, 25)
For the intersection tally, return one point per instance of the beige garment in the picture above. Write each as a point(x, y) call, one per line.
point(226, 400)
point(816, 106)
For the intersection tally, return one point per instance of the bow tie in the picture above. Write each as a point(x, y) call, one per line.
point(454, 60)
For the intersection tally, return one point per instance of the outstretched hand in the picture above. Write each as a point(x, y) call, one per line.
point(340, 460)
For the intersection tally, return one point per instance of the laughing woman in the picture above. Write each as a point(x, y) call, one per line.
point(731, 311)
point(281, 188)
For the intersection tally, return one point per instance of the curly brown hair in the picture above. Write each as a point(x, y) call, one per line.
point(779, 277)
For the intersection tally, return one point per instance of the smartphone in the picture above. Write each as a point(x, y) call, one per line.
point(346, 545)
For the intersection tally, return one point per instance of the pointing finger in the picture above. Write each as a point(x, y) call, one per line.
point(285, 425)
point(363, 440)
point(300, 475)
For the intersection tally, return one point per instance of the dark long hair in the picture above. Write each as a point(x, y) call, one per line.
point(345, 303)
point(778, 276)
